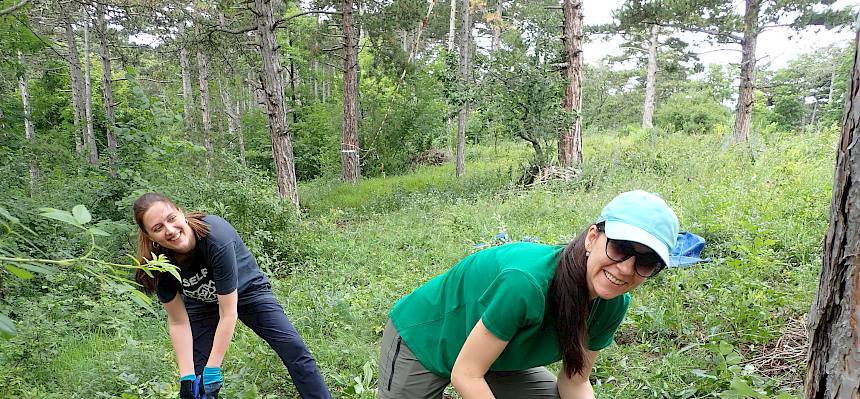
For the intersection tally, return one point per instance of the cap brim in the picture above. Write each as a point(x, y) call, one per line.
point(623, 231)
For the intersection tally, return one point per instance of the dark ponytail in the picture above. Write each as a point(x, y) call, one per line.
point(569, 304)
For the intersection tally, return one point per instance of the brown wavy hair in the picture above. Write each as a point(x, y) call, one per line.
point(146, 247)
point(569, 303)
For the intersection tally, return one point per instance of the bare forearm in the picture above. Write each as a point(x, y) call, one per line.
point(183, 346)
point(472, 387)
point(223, 336)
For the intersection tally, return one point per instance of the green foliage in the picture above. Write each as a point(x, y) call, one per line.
point(692, 113)
point(13, 243)
point(522, 95)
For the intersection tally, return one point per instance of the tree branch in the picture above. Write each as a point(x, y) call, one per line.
point(280, 21)
point(735, 38)
point(14, 7)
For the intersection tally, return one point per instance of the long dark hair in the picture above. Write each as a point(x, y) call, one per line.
point(146, 247)
point(569, 304)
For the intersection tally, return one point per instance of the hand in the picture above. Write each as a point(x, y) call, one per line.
point(187, 387)
point(212, 382)
point(186, 390)
point(210, 391)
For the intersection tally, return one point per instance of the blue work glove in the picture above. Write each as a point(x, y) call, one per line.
point(187, 390)
point(212, 381)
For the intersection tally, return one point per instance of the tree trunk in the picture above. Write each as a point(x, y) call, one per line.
point(495, 41)
point(465, 68)
point(77, 81)
point(89, 133)
point(29, 130)
point(452, 25)
point(570, 140)
point(452, 31)
point(834, 353)
point(187, 90)
point(234, 121)
point(205, 110)
point(651, 80)
point(746, 89)
point(107, 92)
point(315, 64)
point(273, 89)
point(349, 148)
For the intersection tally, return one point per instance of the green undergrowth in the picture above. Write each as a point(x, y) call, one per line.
point(356, 249)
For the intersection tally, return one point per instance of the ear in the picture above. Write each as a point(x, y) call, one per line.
point(591, 237)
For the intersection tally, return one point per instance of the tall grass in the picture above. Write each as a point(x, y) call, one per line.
point(689, 333)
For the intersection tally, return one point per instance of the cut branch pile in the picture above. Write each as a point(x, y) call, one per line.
point(553, 173)
point(781, 359)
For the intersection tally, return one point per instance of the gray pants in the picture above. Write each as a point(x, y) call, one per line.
point(401, 376)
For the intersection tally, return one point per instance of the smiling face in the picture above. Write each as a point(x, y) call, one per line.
point(167, 226)
point(607, 278)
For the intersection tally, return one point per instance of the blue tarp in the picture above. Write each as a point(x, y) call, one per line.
point(688, 250)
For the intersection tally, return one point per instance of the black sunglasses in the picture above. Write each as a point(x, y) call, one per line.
point(647, 264)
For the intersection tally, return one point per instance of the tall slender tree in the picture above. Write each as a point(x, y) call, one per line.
point(89, 131)
point(187, 90)
point(273, 97)
point(570, 140)
point(349, 149)
point(77, 82)
point(205, 109)
point(465, 75)
point(107, 91)
point(29, 129)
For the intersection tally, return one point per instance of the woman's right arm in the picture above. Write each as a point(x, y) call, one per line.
point(481, 349)
point(180, 334)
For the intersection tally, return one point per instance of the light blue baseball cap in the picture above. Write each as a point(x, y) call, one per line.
point(642, 217)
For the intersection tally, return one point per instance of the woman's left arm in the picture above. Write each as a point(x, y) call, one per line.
point(578, 386)
point(227, 310)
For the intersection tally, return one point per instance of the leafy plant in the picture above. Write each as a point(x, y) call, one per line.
point(12, 243)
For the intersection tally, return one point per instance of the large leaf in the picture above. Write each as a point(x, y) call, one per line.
point(98, 232)
point(6, 215)
point(141, 299)
point(61, 215)
point(19, 272)
point(44, 269)
point(82, 215)
point(7, 327)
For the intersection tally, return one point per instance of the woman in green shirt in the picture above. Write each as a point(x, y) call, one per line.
point(489, 324)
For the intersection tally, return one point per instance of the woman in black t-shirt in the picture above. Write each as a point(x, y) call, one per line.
point(220, 283)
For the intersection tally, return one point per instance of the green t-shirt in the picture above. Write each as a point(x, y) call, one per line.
point(506, 287)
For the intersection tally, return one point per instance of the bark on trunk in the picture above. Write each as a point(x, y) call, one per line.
point(234, 121)
point(746, 89)
point(107, 93)
point(651, 80)
point(495, 41)
point(570, 140)
point(272, 86)
point(834, 353)
point(205, 110)
point(465, 68)
point(452, 25)
point(315, 64)
point(77, 83)
point(187, 90)
point(349, 148)
point(89, 133)
point(29, 130)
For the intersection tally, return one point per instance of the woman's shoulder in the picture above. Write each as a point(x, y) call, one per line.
point(526, 252)
point(220, 230)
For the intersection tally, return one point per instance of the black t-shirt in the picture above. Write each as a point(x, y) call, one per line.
point(219, 265)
